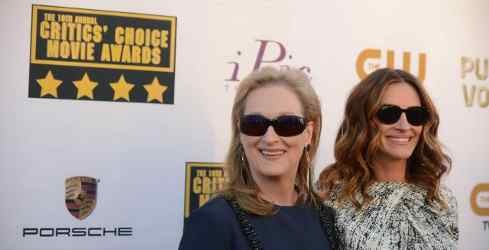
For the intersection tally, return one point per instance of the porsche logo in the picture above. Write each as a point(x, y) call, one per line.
point(80, 196)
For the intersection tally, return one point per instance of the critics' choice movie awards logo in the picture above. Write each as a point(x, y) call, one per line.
point(479, 201)
point(474, 76)
point(202, 180)
point(80, 201)
point(83, 54)
point(269, 52)
point(369, 60)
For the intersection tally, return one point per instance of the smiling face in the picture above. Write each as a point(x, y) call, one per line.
point(271, 156)
point(398, 140)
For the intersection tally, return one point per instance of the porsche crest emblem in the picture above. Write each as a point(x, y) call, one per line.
point(80, 196)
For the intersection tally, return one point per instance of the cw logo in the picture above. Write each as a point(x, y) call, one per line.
point(479, 199)
point(371, 59)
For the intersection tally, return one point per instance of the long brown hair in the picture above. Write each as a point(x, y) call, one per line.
point(357, 142)
point(240, 184)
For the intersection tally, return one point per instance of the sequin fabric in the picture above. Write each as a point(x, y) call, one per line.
point(398, 217)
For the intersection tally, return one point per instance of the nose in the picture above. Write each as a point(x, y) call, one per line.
point(270, 136)
point(403, 122)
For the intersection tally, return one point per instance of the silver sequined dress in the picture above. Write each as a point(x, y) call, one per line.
point(398, 217)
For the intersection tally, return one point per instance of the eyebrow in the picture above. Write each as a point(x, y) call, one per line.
point(274, 116)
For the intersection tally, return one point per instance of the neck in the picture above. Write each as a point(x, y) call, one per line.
point(278, 192)
point(390, 169)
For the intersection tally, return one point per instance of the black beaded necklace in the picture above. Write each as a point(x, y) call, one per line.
point(326, 219)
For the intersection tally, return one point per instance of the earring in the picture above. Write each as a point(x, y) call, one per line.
point(242, 155)
point(244, 174)
point(310, 176)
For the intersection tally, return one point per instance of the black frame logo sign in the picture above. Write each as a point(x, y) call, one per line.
point(96, 55)
point(202, 181)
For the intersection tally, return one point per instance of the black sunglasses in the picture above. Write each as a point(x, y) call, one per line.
point(286, 125)
point(390, 114)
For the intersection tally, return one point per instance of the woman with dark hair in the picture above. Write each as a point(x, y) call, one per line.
point(268, 201)
point(385, 184)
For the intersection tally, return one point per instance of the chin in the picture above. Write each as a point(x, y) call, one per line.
point(273, 171)
point(399, 155)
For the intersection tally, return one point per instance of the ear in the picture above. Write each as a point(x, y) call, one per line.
point(309, 132)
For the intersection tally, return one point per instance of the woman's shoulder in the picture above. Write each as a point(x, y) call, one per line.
point(447, 195)
point(216, 210)
point(209, 227)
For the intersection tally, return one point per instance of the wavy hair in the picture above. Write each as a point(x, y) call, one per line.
point(239, 182)
point(358, 141)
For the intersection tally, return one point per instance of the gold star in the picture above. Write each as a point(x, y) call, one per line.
point(49, 85)
point(85, 87)
point(121, 89)
point(155, 90)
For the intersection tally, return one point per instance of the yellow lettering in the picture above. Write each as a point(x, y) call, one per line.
point(71, 31)
point(116, 52)
point(136, 54)
point(201, 173)
point(206, 185)
point(55, 30)
point(197, 185)
point(483, 102)
point(64, 49)
point(466, 66)
point(49, 17)
point(44, 30)
point(156, 59)
point(75, 50)
point(362, 58)
point(155, 38)
point(53, 49)
point(105, 55)
point(97, 33)
point(129, 36)
point(126, 54)
point(390, 59)
point(164, 38)
point(86, 19)
point(422, 66)
point(90, 51)
point(87, 33)
point(217, 183)
point(119, 35)
point(139, 37)
point(146, 57)
point(482, 76)
point(479, 209)
point(79, 31)
point(65, 18)
point(469, 96)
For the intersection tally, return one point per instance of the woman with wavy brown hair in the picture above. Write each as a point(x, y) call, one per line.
point(386, 182)
point(268, 201)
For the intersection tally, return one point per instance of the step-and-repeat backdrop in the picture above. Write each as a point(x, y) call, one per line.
point(115, 115)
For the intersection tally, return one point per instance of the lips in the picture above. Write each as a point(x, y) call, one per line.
point(399, 139)
point(272, 153)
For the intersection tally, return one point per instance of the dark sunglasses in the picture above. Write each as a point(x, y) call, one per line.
point(390, 114)
point(286, 125)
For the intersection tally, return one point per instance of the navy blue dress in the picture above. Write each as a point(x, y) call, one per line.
point(214, 227)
